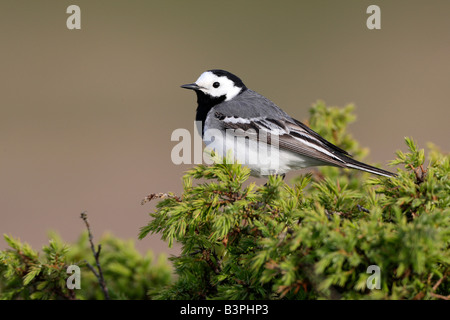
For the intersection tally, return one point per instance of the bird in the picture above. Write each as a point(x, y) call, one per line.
point(272, 142)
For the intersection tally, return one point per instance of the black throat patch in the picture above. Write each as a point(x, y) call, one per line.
point(205, 103)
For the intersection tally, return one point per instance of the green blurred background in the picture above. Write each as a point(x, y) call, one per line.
point(86, 115)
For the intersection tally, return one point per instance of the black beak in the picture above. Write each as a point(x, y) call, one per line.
point(191, 86)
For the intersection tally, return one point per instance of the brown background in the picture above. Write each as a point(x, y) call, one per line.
point(86, 116)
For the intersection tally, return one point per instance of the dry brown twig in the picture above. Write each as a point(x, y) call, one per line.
point(98, 274)
point(420, 176)
point(160, 195)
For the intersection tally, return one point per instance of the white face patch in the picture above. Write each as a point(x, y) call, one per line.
point(226, 86)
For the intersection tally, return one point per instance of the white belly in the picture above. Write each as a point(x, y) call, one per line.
point(261, 158)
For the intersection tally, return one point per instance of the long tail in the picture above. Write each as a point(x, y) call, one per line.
point(352, 163)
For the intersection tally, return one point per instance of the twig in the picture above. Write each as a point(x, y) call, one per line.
point(98, 274)
point(419, 177)
point(218, 261)
point(207, 259)
point(437, 284)
point(195, 252)
point(440, 296)
point(160, 195)
point(362, 209)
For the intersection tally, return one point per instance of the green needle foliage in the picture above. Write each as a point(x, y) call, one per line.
point(26, 274)
point(315, 238)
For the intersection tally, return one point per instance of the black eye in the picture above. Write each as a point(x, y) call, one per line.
point(216, 84)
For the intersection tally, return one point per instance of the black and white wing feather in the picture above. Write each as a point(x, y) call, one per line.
point(260, 115)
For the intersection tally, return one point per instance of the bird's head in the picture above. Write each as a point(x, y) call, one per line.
point(217, 85)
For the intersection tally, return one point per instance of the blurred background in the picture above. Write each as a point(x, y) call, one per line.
point(86, 115)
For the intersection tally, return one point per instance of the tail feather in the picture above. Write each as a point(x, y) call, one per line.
point(351, 163)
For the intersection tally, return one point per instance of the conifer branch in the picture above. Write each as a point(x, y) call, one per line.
point(244, 241)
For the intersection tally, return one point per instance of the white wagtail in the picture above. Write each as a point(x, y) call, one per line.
point(225, 104)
